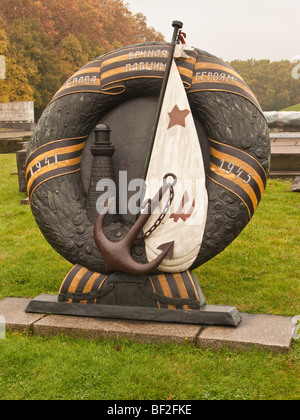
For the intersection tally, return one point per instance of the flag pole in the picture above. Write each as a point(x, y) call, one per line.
point(177, 25)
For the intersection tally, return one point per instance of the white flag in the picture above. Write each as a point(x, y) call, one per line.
point(177, 150)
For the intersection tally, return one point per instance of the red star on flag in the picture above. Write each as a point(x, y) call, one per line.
point(177, 117)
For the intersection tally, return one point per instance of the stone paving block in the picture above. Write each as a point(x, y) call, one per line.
point(93, 328)
point(259, 331)
point(13, 311)
point(282, 149)
point(284, 142)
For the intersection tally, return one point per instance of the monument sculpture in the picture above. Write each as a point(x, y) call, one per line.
point(148, 162)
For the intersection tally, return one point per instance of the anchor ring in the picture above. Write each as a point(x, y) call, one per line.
point(170, 175)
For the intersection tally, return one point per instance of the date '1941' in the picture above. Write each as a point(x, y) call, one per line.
point(231, 167)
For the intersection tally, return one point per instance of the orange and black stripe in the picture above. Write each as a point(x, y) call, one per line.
point(107, 74)
point(238, 172)
point(80, 285)
point(133, 63)
point(87, 79)
point(186, 68)
point(172, 291)
point(175, 286)
point(212, 74)
point(52, 160)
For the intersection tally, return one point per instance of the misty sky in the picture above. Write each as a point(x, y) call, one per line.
point(230, 29)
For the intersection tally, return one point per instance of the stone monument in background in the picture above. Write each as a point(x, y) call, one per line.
point(17, 115)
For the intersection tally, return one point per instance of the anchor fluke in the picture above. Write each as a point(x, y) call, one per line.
point(169, 248)
point(117, 255)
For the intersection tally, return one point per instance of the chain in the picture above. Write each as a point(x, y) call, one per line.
point(161, 217)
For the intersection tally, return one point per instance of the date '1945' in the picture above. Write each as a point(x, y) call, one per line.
point(239, 172)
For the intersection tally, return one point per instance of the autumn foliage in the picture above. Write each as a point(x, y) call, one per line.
point(45, 41)
point(271, 81)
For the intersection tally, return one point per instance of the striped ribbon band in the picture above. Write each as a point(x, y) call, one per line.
point(53, 159)
point(84, 286)
point(108, 74)
point(87, 79)
point(238, 172)
point(212, 74)
point(178, 286)
point(133, 63)
point(81, 281)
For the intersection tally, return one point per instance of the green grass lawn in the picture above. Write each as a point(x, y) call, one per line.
point(258, 273)
point(292, 108)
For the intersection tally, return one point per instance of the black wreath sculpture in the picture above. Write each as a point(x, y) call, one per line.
point(233, 122)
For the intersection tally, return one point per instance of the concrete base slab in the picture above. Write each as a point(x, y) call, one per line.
point(259, 331)
point(13, 311)
point(264, 331)
point(96, 329)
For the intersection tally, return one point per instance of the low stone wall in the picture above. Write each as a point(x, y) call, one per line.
point(10, 145)
point(17, 112)
point(18, 115)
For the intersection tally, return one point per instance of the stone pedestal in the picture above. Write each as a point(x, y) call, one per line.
point(21, 157)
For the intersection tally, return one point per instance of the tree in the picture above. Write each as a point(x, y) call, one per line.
point(71, 56)
point(45, 42)
point(271, 82)
point(19, 70)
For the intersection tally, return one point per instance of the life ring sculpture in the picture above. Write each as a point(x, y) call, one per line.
point(233, 122)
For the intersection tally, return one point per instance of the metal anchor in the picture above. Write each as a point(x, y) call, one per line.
point(117, 255)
